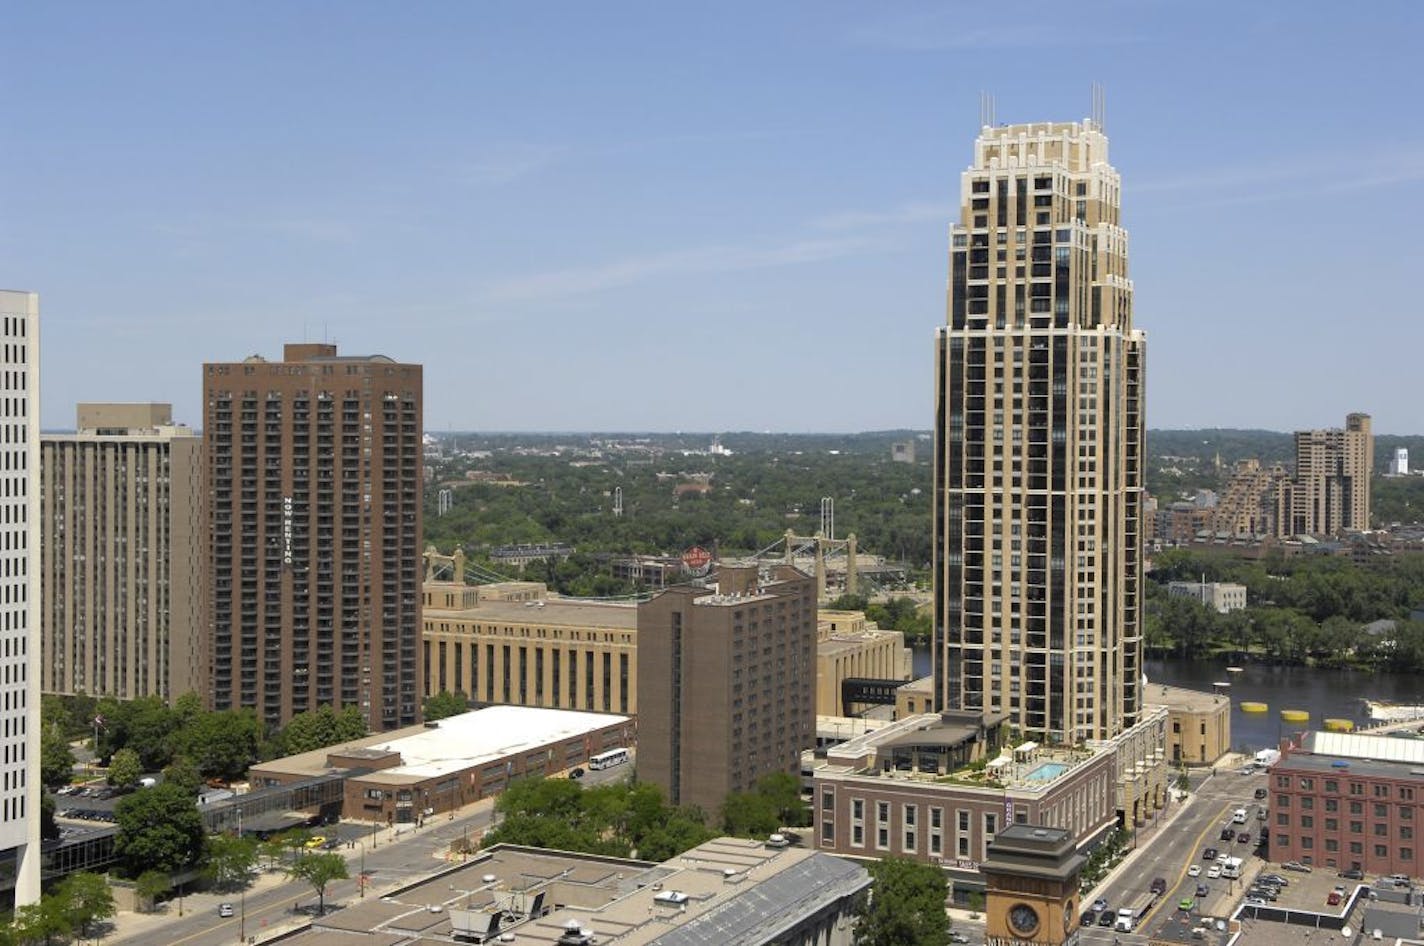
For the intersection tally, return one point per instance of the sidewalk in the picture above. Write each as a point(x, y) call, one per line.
point(132, 924)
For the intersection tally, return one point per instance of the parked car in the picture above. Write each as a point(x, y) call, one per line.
point(1159, 885)
point(1209, 854)
point(957, 937)
point(314, 843)
point(1264, 893)
point(1352, 873)
point(1187, 904)
point(1275, 879)
point(1296, 866)
point(1260, 793)
point(225, 910)
point(1399, 880)
point(1333, 900)
point(1100, 905)
point(1088, 918)
point(576, 773)
point(1256, 902)
point(1195, 870)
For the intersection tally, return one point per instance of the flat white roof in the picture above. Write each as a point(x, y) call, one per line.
point(486, 735)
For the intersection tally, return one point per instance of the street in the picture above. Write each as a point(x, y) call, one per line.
point(389, 856)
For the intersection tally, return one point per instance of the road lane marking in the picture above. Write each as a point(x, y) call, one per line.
point(1196, 847)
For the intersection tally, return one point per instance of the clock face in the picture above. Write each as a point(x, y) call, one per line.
point(1023, 918)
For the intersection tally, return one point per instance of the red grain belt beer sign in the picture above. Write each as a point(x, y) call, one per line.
point(696, 558)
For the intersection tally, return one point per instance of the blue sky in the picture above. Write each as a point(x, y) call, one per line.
point(721, 216)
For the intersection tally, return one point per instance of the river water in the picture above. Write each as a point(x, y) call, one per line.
point(1324, 694)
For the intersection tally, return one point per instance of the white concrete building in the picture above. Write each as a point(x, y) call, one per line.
point(19, 600)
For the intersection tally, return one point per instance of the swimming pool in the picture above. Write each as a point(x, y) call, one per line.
point(1046, 772)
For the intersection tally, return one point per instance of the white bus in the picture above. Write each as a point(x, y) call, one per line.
point(605, 760)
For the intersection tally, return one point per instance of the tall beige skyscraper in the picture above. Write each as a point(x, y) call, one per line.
point(122, 555)
point(1331, 489)
point(1039, 442)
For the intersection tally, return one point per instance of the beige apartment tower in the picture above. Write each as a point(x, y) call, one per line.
point(313, 467)
point(1331, 489)
point(1038, 490)
point(726, 682)
point(121, 555)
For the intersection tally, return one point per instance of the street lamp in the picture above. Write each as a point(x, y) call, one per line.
point(361, 878)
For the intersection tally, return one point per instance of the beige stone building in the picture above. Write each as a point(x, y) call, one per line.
point(512, 643)
point(122, 555)
point(849, 647)
point(1198, 724)
point(1039, 446)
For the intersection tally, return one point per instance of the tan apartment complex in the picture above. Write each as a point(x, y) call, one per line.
point(314, 477)
point(725, 683)
point(122, 542)
point(1039, 446)
point(1331, 491)
point(511, 643)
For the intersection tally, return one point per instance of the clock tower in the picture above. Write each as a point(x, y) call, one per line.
point(1031, 875)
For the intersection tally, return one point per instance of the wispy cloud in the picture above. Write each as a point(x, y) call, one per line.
point(1300, 176)
point(505, 162)
point(906, 213)
point(616, 274)
point(945, 30)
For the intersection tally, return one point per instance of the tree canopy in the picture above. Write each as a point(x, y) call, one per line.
point(319, 728)
point(319, 870)
point(446, 704)
point(159, 828)
point(615, 819)
point(905, 906)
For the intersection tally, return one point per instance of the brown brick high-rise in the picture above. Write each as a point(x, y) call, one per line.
point(314, 512)
point(726, 683)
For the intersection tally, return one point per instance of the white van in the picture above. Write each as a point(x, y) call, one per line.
point(1239, 817)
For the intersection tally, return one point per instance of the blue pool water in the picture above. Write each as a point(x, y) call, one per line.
point(1046, 772)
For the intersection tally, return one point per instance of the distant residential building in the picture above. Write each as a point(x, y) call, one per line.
point(314, 485)
point(1256, 501)
point(1221, 596)
point(1400, 467)
point(518, 556)
point(1198, 723)
point(1331, 487)
point(1348, 800)
point(903, 452)
point(19, 594)
point(1179, 523)
point(123, 540)
point(726, 685)
point(511, 643)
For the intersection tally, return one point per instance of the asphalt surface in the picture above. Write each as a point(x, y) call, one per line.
point(1170, 852)
point(389, 857)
